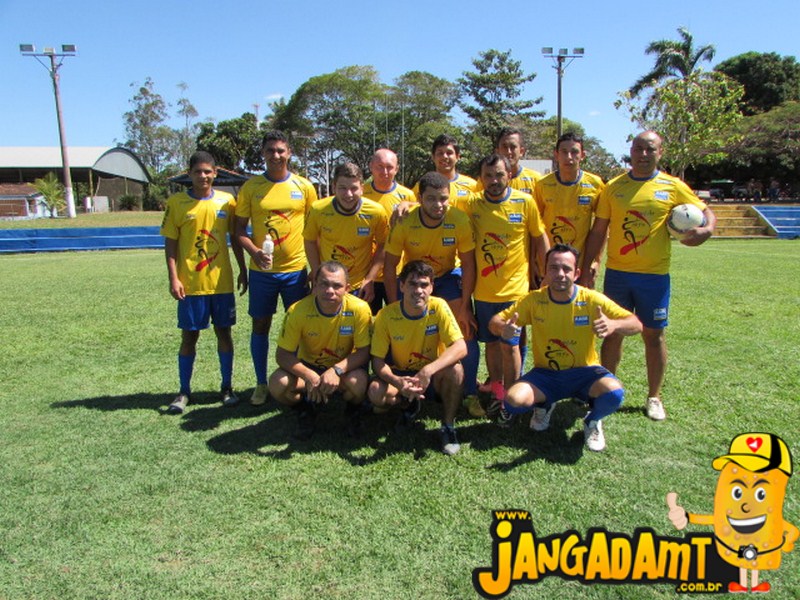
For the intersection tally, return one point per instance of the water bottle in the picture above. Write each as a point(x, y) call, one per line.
point(268, 246)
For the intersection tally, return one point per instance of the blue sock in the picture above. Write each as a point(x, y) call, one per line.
point(226, 368)
point(523, 352)
point(259, 350)
point(606, 404)
point(519, 410)
point(470, 363)
point(185, 368)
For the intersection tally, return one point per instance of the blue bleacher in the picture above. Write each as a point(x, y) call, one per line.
point(88, 238)
point(785, 220)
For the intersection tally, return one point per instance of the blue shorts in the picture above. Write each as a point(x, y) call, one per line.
point(484, 311)
point(568, 383)
point(645, 294)
point(448, 286)
point(265, 287)
point(194, 312)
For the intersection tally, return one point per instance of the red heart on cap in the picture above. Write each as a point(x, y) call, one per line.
point(754, 443)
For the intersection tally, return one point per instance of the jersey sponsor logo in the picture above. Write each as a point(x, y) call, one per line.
point(364, 216)
point(660, 314)
point(208, 248)
point(563, 231)
point(363, 231)
point(449, 226)
point(222, 214)
point(517, 200)
point(559, 355)
point(587, 185)
point(662, 181)
point(461, 192)
point(495, 253)
point(431, 329)
point(580, 303)
point(346, 330)
point(661, 195)
point(584, 200)
point(515, 218)
point(449, 241)
point(295, 195)
point(581, 320)
point(347, 313)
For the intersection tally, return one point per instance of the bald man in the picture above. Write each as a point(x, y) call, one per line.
point(632, 211)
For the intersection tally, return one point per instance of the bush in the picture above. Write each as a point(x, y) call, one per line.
point(129, 202)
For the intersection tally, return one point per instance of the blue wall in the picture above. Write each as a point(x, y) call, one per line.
point(90, 238)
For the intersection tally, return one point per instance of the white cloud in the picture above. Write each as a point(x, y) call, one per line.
point(272, 97)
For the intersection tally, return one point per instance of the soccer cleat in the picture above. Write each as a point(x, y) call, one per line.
point(409, 415)
point(353, 414)
point(540, 419)
point(259, 396)
point(504, 418)
point(229, 397)
point(306, 419)
point(474, 407)
point(593, 434)
point(655, 409)
point(762, 587)
point(178, 405)
point(450, 445)
point(736, 587)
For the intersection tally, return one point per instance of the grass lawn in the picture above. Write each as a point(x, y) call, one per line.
point(106, 497)
point(111, 219)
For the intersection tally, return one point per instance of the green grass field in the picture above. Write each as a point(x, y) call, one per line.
point(106, 497)
point(111, 219)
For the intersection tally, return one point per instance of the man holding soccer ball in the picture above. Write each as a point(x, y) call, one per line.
point(632, 211)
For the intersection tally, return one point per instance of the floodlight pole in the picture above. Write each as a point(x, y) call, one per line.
point(559, 59)
point(53, 69)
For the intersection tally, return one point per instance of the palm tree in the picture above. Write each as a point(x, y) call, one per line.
point(677, 59)
point(53, 192)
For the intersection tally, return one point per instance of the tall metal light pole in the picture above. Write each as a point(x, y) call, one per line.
point(559, 59)
point(55, 65)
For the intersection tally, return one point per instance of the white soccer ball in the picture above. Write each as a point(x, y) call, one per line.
point(684, 217)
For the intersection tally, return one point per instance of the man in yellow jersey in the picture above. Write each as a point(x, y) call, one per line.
point(510, 143)
point(323, 350)
point(445, 154)
point(567, 198)
point(566, 319)
point(441, 235)
point(416, 346)
point(350, 229)
point(510, 250)
point(276, 203)
point(632, 211)
point(195, 228)
point(384, 190)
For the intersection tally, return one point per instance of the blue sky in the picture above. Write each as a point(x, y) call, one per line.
point(234, 55)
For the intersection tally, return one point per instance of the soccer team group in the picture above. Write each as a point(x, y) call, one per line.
point(404, 283)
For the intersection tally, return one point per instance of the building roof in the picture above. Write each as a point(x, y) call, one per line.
point(17, 190)
point(116, 162)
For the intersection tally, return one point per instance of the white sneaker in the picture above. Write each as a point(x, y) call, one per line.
point(540, 419)
point(259, 396)
point(593, 434)
point(655, 409)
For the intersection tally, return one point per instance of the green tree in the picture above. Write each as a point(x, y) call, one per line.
point(234, 143)
point(674, 60)
point(149, 136)
point(768, 79)
point(491, 95)
point(53, 192)
point(185, 136)
point(695, 117)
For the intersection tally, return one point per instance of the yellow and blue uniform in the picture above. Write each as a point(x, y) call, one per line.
point(562, 333)
point(524, 181)
point(502, 236)
point(567, 208)
point(390, 198)
point(201, 228)
point(347, 238)
point(438, 246)
point(409, 343)
point(461, 186)
point(637, 209)
point(321, 340)
point(278, 208)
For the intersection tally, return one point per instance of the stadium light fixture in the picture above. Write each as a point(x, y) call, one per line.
point(560, 64)
point(55, 60)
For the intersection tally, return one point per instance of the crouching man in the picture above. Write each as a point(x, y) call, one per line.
point(416, 348)
point(323, 351)
point(566, 320)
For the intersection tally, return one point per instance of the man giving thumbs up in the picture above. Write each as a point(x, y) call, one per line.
point(565, 319)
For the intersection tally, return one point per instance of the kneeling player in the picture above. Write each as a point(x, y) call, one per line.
point(416, 348)
point(322, 351)
point(566, 319)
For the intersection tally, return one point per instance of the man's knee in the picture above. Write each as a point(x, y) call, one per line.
point(262, 325)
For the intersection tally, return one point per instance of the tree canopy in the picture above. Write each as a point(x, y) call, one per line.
point(769, 79)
